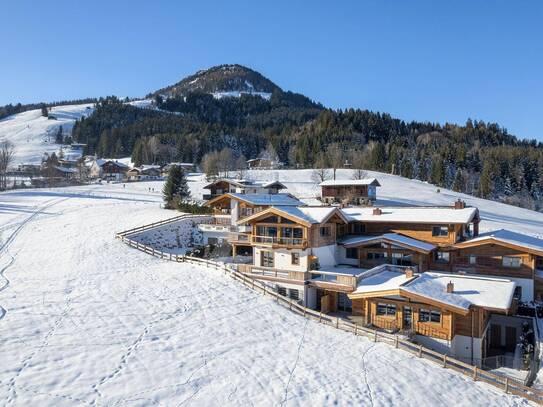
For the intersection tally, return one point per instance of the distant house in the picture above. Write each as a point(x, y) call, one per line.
point(110, 170)
point(353, 192)
point(144, 172)
point(263, 163)
point(187, 167)
point(224, 185)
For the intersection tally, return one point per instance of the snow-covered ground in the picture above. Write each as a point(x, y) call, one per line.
point(90, 321)
point(33, 135)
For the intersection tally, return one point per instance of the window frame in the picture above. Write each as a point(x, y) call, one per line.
point(440, 230)
point(433, 316)
point(440, 257)
point(511, 263)
point(265, 256)
point(295, 258)
point(472, 259)
point(326, 228)
point(349, 252)
point(390, 309)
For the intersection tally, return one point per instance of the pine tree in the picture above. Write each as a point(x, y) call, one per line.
point(176, 189)
point(59, 138)
point(44, 111)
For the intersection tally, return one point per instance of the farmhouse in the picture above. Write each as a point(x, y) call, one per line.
point(144, 172)
point(110, 170)
point(352, 192)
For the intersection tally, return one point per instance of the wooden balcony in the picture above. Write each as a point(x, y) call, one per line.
point(272, 241)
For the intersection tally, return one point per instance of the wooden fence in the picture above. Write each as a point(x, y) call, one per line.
point(507, 384)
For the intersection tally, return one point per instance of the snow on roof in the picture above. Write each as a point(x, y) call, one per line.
point(436, 215)
point(101, 161)
point(488, 292)
point(392, 237)
point(310, 214)
point(347, 182)
point(242, 183)
point(513, 238)
point(384, 280)
point(268, 199)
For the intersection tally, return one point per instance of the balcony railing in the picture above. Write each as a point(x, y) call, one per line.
point(271, 272)
point(279, 241)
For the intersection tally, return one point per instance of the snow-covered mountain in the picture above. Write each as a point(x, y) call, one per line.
point(33, 134)
point(222, 81)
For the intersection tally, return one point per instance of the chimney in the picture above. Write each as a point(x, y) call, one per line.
point(376, 211)
point(409, 272)
point(450, 287)
point(459, 204)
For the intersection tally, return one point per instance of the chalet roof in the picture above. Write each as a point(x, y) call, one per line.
point(349, 182)
point(507, 237)
point(431, 287)
point(101, 161)
point(487, 292)
point(393, 238)
point(242, 183)
point(303, 214)
point(413, 214)
point(267, 199)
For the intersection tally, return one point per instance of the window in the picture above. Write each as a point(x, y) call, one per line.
point(326, 231)
point(351, 253)
point(386, 309)
point(442, 257)
point(296, 233)
point(426, 315)
point(295, 259)
point(266, 259)
point(359, 228)
point(375, 255)
point(508, 261)
point(440, 231)
point(293, 294)
point(281, 291)
point(517, 295)
point(472, 259)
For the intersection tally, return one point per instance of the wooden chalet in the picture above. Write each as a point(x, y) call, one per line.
point(350, 192)
point(224, 185)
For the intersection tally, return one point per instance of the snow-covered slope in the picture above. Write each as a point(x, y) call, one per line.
point(33, 135)
point(90, 321)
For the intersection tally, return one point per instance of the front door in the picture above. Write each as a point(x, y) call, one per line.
point(407, 317)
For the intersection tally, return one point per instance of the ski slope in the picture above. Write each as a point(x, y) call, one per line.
point(86, 320)
point(34, 135)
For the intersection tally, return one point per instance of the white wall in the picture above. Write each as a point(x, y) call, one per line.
point(234, 212)
point(326, 255)
point(282, 258)
point(461, 348)
point(310, 297)
point(439, 345)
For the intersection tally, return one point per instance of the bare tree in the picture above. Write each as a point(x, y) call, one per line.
point(241, 166)
point(6, 157)
point(153, 148)
point(210, 164)
point(226, 161)
point(321, 172)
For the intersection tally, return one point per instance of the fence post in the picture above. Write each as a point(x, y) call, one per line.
point(506, 385)
point(304, 311)
point(397, 342)
point(355, 329)
point(445, 361)
point(320, 316)
point(475, 373)
point(337, 322)
point(420, 351)
point(375, 337)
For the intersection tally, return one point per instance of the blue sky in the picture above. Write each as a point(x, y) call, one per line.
point(417, 60)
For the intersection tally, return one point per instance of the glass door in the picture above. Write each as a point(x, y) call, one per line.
point(407, 317)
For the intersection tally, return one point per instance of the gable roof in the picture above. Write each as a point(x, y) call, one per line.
point(348, 182)
point(392, 238)
point(413, 214)
point(507, 238)
point(431, 288)
point(303, 214)
point(241, 183)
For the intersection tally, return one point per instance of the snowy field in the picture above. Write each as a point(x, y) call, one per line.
point(33, 135)
point(86, 320)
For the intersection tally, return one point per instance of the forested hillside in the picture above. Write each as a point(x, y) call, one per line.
point(478, 158)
